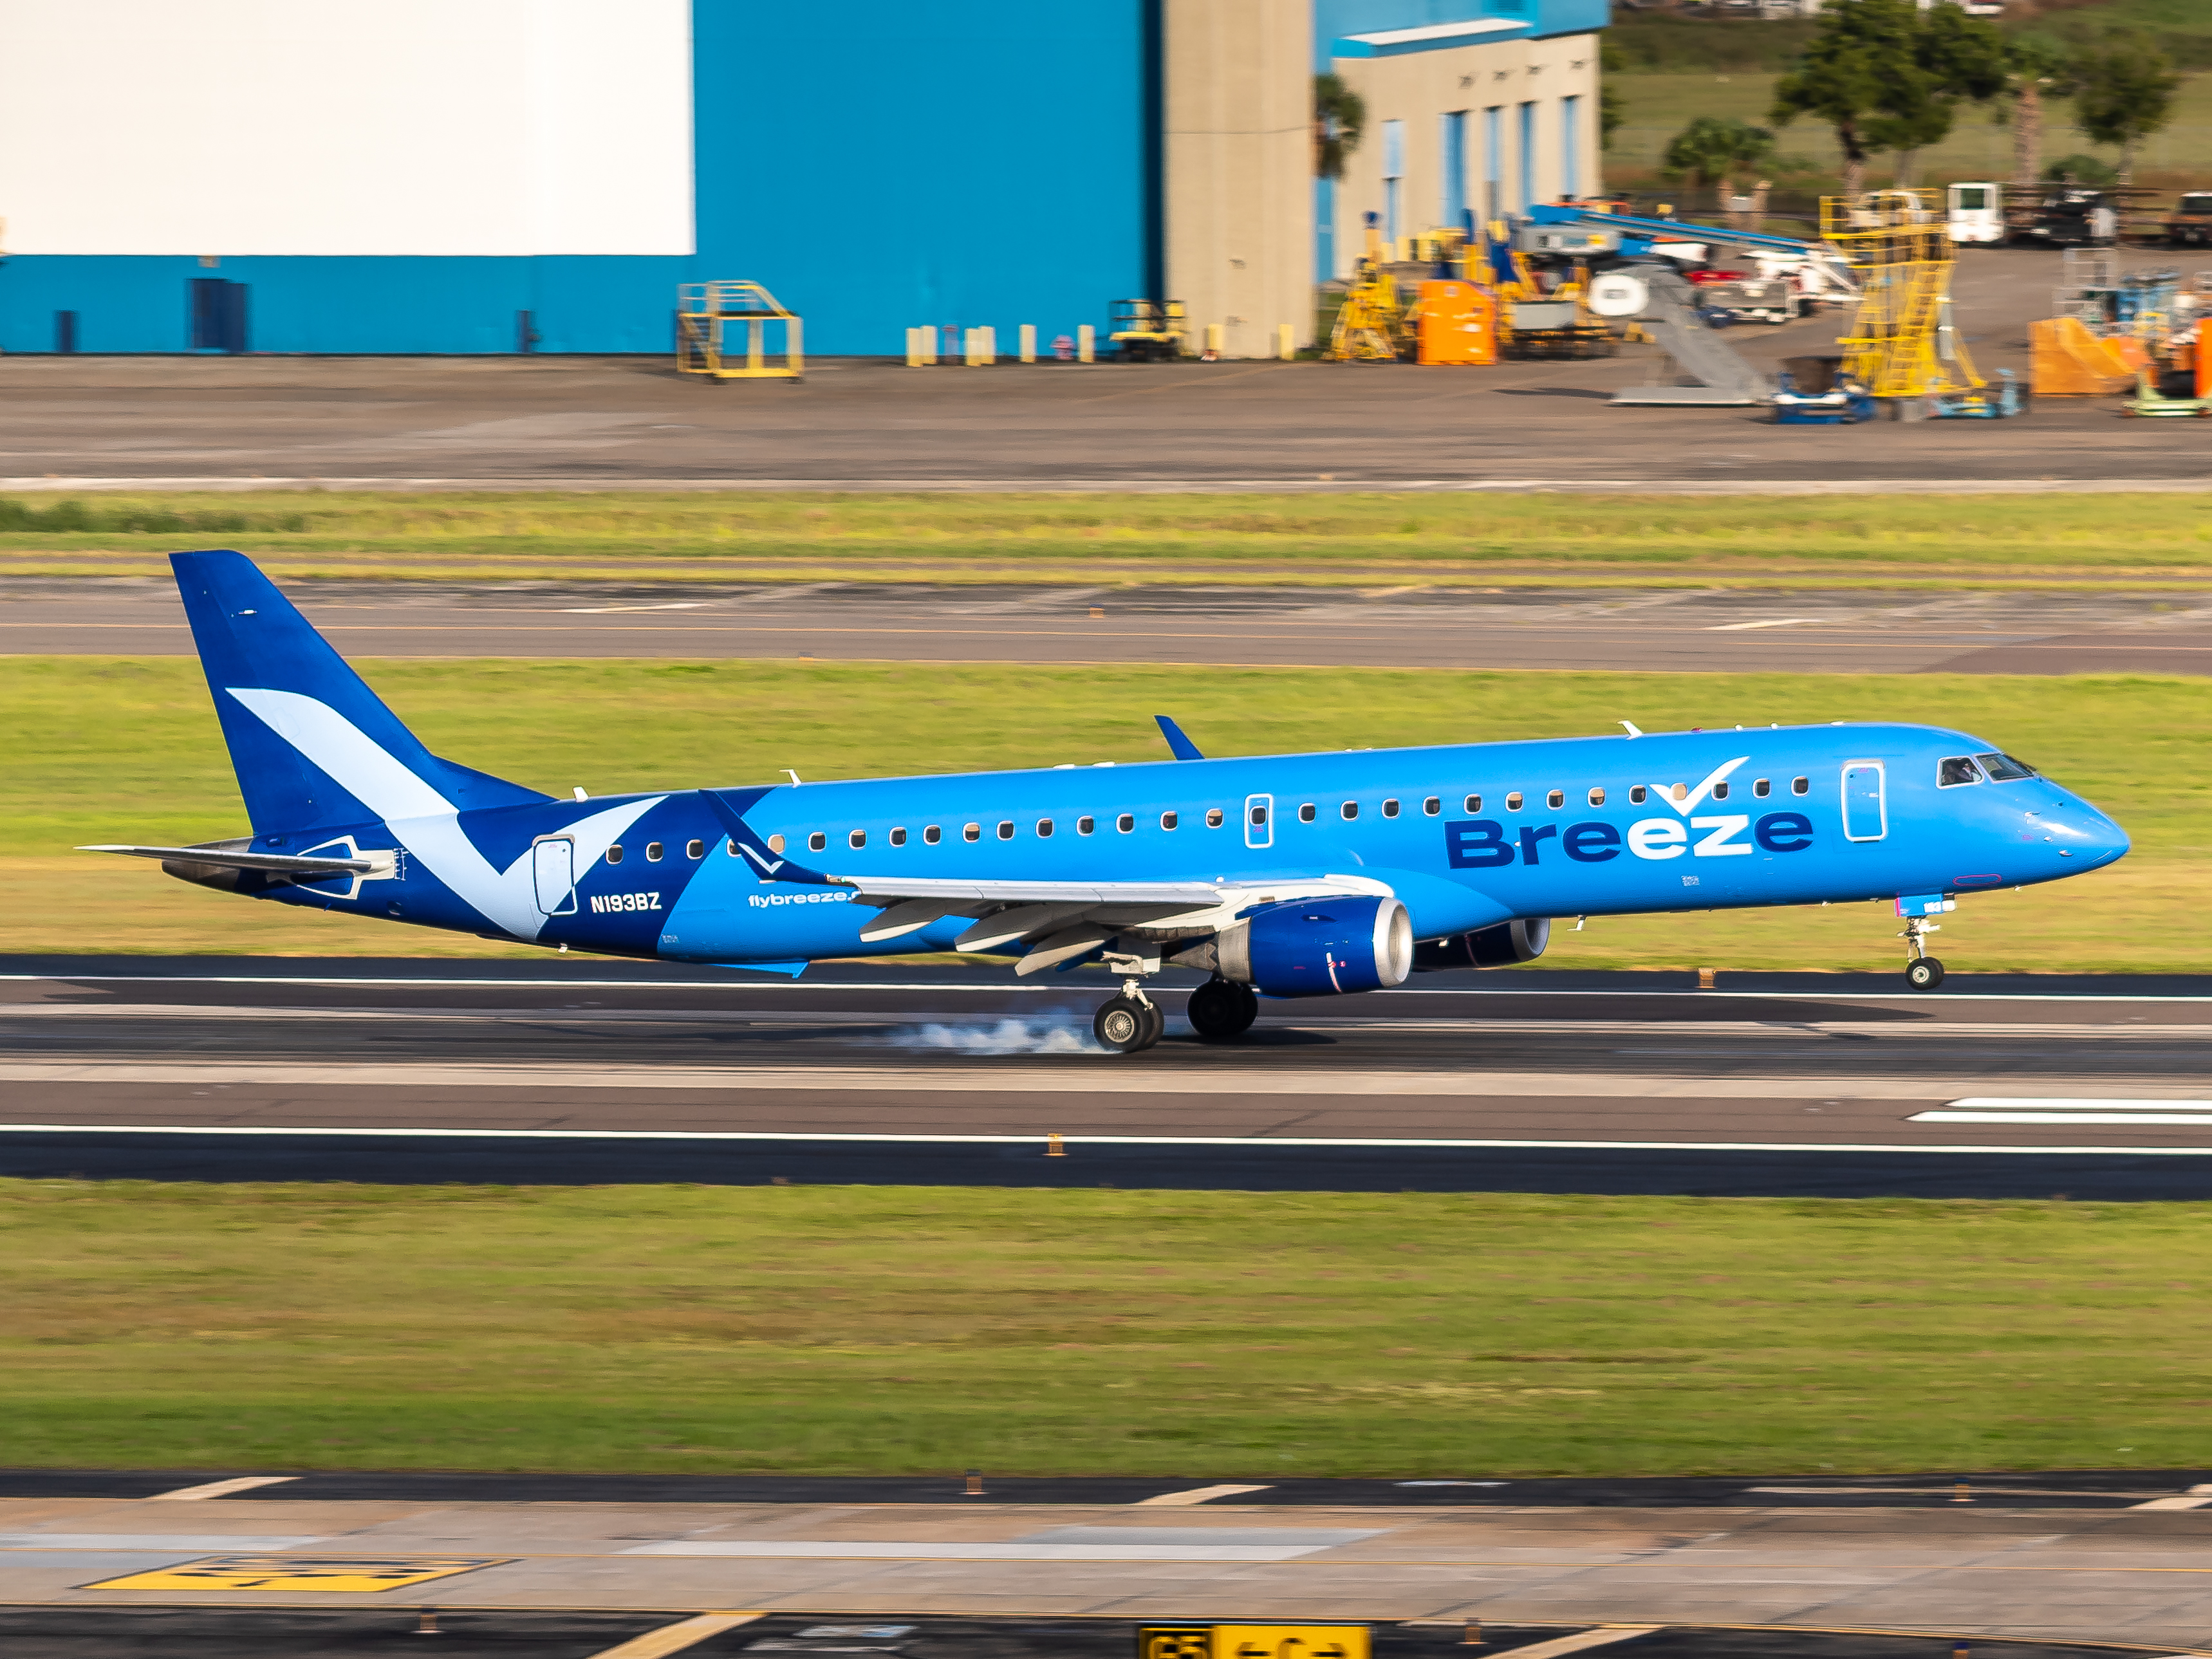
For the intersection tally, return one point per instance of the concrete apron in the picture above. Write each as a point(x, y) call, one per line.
point(2124, 1576)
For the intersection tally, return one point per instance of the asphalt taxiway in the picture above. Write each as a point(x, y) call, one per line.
point(543, 1072)
point(1391, 626)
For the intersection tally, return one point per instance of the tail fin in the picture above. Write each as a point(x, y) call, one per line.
point(312, 745)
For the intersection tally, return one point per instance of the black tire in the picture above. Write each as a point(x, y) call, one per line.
point(1123, 1025)
point(1222, 1011)
point(1925, 975)
point(1156, 1024)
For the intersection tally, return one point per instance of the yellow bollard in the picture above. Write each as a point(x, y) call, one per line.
point(1473, 1636)
point(988, 339)
point(1028, 343)
point(1213, 342)
point(1086, 343)
point(1053, 1148)
point(974, 1483)
point(1287, 342)
point(1705, 978)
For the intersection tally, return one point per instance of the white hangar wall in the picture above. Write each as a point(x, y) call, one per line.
point(308, 127)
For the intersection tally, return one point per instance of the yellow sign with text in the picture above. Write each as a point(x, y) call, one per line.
point(355, 1574)
point(1252, 1642)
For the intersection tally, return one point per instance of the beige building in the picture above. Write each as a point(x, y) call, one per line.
point(1460, 123)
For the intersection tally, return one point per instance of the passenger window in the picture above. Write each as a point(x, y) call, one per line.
point(614, 853)
point(1213, 817)
point(1800, 786)
point(695, 849)
point(857, 838)
point(1167, 820)
point(1044, 828)
point(1084, 826)
point(1474, 803)
point(898, 838)
point(1126, 822)
point(971, 832)
point(1956, 770)
point(1350, 809)
point(1680, 791)
point(1389, 809)
point(653, 851)
point(1556, 799)
point(1306, 813)
point(2004, 768)
point(1513, 801)
point(818, 842)
point(1597, 798)
point(1431, 806)
point(1761, 788)
point(1637, 794)
point(1259, 816)
point(931, 835)
point(1006, 831)
point(774, 845)
point(1720, 790)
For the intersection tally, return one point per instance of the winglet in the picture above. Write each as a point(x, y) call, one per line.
point(1181, 746)
point(730, 806)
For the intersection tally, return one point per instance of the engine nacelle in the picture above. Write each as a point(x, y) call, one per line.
point(1319, 947)
point(1505, 945)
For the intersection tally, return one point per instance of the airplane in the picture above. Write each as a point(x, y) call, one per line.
point(1283, 876)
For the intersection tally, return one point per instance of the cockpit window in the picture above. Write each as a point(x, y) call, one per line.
point(2004, 768)
point(1958, 769)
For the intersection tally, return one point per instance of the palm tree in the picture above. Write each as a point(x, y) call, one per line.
point(1340, 120)
point(2037, 67)
point(1714, 148)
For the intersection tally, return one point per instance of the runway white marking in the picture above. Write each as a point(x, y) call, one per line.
point(187, 1543)
point(1771, 622)
point(1072, 1143)
point(1013, 988)
point(788, 1550)
point(1195, 1495)
point(208, 1489)
point(2000, 1109)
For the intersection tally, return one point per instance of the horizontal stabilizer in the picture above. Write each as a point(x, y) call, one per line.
point(276, 863)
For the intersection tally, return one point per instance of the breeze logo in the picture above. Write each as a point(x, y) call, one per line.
point(770, 901)
point(1484, 843)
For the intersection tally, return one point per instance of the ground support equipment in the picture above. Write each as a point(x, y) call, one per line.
point(704, 312)
point(1845, 403)
point(1901, 344)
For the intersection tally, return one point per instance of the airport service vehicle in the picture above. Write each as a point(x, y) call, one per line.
point(2072, 215)
point(2189, 224)
point(1975, 212)
point(1284, 875)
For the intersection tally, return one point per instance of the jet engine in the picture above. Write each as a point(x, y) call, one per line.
point(1319, 947)
point(1505, 945)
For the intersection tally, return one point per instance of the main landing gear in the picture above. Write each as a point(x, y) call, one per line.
point(1129, 1022)
point(1220, 1010)
point(1922, 972)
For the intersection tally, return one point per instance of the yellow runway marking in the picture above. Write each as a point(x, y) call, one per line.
point(674, 1638)
point(360, 1575)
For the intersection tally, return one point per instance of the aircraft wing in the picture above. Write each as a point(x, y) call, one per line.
point(275, 863)
point(1059, 920)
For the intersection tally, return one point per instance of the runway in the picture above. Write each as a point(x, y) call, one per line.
point(1683, 630)
point(578, 1071)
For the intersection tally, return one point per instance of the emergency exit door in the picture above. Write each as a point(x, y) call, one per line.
point(1259, 820)
point(553, 867)
point(1866, 814)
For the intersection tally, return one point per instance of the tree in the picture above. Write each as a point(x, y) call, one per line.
point(2037, 67)
point(1964, 59)
point(2125, 94)
point(1340, 121)
point(1714, 148)
point(1611, 108)
point(1857, 75)
point(1885, 75)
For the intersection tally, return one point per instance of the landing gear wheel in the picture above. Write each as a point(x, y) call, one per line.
point(1925, 973)
point(1221, 1010)
point(1125, 1024)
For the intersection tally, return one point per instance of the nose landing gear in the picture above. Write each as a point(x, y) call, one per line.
point(1922, 972)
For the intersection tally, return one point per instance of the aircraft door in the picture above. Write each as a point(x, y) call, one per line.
point(553, 866)
point(1259, 820)
point(1866, 814)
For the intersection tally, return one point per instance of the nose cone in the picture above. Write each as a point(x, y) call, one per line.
point(2083, 837)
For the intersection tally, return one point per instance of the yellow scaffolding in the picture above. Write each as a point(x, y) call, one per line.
point(1373, 325)
point(1900, 343)
point(704, 312)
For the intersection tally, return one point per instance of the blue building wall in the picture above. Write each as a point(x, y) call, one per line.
point(995, 163)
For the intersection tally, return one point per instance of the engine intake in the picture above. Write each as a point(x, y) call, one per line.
point(1319, 947)
point(1505, 945)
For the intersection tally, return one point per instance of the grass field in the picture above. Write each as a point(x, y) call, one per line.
point(1353, 540)
point(128, 749)
point(1657, 106)
point(1209, 1333)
